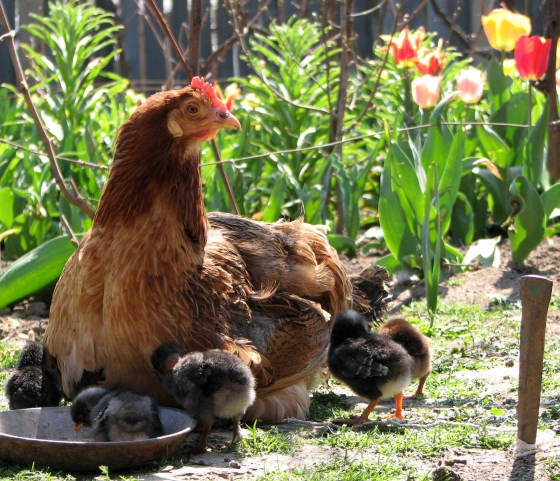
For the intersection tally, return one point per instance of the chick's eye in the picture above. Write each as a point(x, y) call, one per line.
point(192, 109)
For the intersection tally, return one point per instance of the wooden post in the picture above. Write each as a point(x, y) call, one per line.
point(535, 296)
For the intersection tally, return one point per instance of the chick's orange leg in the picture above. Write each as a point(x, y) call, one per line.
point(398, 407)
point(363, 418)
point(420, 390)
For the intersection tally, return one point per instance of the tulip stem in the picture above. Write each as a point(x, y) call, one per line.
point(529, 114)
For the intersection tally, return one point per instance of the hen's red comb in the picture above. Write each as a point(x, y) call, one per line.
point(200, 83)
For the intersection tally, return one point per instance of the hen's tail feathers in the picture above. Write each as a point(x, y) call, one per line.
point(290, 402)
point(370, 294)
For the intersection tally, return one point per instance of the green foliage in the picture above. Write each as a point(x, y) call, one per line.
point(81, 107)
point(37, 270)
point(261, 441)
point(290, 63)
point(419, 185)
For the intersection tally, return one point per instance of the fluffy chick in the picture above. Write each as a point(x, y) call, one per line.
point(416, 344)
point(33, 384)
point(118, 415)
point(208, 385)
point(371, 364)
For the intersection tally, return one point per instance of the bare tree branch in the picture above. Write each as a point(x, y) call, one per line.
point(77, 199)
point(552, 14)
point(163, 24)
point(195, 27)
point(463, 37)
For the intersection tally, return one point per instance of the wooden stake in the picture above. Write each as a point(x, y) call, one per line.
point(535, 296)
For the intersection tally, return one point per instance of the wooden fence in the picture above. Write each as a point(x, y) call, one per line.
point(143, 59)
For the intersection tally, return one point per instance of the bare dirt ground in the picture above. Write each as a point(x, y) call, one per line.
point(28, 320)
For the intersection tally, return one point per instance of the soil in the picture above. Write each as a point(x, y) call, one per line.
point(28, 321)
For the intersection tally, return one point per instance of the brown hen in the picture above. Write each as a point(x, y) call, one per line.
point(155, 269)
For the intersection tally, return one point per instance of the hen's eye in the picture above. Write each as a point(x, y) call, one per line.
point(192, 109)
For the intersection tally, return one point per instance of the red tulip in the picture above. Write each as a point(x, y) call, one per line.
point(531, 56)
point(430, 62)
point(405, 46)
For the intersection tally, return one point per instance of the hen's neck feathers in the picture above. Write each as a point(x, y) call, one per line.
point(153, 170)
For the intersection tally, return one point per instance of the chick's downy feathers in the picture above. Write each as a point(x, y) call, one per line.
point(208, 385)
point(116, 415)
point(371, 364)
point(33, 384)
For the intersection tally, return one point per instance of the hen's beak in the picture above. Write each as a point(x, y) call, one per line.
point(230, 122)
point(77, 427)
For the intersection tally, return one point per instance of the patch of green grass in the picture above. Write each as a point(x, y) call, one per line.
point(552, 468)
point(389, 440)
point(8, 355)
point(19, 474)
point(267, 441)
point(346, 468)
point(326, 405)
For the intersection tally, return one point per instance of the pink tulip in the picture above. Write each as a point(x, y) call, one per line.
point(425, 90)
point(470, 85)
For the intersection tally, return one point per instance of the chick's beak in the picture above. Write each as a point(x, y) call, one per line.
point(77, 427)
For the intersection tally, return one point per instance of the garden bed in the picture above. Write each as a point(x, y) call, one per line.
point(465, 424)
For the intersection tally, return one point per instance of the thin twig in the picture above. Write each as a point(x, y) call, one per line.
point(69, 230)
point(81, 163)
point(150, 24)
point(163, 24)
point(401, 424)
point(195, 30)
point(76, 200)
point(369, 102)
point(220, 166)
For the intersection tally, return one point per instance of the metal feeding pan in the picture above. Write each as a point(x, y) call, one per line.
point(46, 437)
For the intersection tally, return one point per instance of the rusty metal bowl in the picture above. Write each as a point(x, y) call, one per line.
point(46, 437)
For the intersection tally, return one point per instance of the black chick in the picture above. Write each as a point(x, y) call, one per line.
point(33, 384)
point(116, 415)
point(416, 344)
point(371, 364)
point(208, 385)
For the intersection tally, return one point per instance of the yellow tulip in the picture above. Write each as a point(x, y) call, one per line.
point(503, 28)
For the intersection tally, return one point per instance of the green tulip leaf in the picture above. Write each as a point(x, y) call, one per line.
point(529, 224)
point(35, 271)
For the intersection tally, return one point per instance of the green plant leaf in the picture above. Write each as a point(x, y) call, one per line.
point(431, 239)
point(528, 228)
point(36, 270)
point(401, 241)
point(550, 199)
point(273, 209)
point(342, 243)
point(485, 252)
point(462, 220)
point(533, 160)
point(450, 179)
point(7, 203)
point(498, 84)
